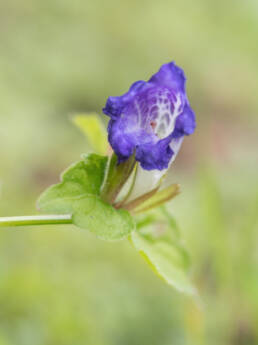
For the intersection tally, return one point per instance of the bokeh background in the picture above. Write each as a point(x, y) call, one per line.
point(60, 285)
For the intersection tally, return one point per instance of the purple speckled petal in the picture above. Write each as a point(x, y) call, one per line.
point(151, 119)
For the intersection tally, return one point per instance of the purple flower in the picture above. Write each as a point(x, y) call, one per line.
point(151, 119)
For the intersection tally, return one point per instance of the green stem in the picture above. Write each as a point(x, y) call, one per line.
point(35, 220)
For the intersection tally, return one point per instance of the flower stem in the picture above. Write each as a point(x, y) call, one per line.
point(35, 220)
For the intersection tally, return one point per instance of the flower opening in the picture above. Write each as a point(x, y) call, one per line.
point(151, 119)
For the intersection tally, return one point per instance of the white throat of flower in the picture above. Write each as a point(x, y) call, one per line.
point(147, 180)
point(165, 121)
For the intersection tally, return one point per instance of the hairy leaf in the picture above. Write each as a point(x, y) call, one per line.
point(78, 194)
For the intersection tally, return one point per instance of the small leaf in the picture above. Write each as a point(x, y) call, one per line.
point(79, 194)
point(156, 242)
point(92, 127)
point(166, 261)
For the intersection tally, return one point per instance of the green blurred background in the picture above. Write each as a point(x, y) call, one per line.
point(60, 285)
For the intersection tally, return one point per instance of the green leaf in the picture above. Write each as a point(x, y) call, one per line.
point(79, 194)
point(92, 127)
point(156, 242)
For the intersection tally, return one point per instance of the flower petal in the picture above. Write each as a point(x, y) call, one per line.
point(123, 144)
point(115, 105)
point(155, 155)
point(185, 122)
point(171, 76)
